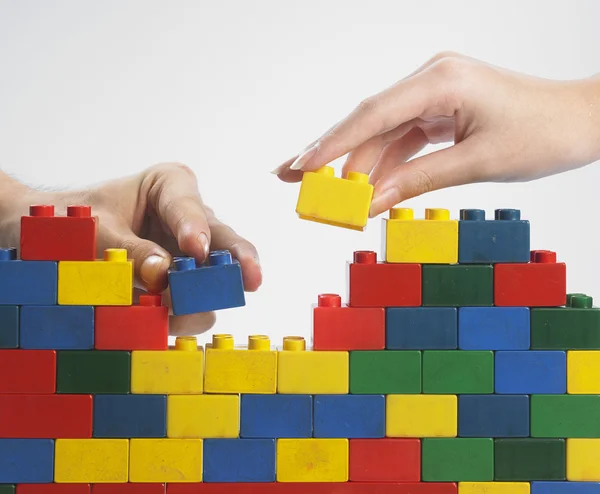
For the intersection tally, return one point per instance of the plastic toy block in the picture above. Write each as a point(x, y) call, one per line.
point(343, 202)
point(26, 283)
point(252, 370)
point(178, 371)
point(421, 328)
point(494, 488)
point(53, 489)
point(421, 416)
point(385, 460)
point(379, 284)
point(90, 371)
point(565, 416)
point(493, 416)
point(312, 460)
point(276, 416)
point(137, 327)
point(166, 460)
point(91, 460)
point(127, 416)
point(458, 286)
point(302, 372)
point(529, 459)
point(27, 371)
point(25, 461)
point(316, 488)
point(458, 372)
point(7, 489)
point(493, 328)
point(583, 372)
point(565, 488)
point(504, 239)
point(214, 285)
point(201, 416)
point(349, 416)
point(459, 459)
point(107, 282)
point(433, 240)
point(576, 326)
point(129, 488)
point(9, 327)
point(45, 237)
point(239, 460)
point(45, 416)
point(541, 283)
point(533, 372)
point(385, 372)
point(582, 459)
point(347, 328)
point(56, 327)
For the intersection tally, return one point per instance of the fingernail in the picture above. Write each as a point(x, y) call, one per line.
point(151, 267)
point(203, 239)
point(383, 201)
point(279, 169)
point(304, 158)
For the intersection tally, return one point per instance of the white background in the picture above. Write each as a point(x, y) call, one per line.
point(93, 90)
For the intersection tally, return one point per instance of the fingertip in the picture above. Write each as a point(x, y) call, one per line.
point(290, 176)
point(153, 272)
point(193, 243)
point(191, 324)
point(251, 272)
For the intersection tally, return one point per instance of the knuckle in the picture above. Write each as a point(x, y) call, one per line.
point(367, 105)
point(445, 54)
point(133, 248)
point(423, 181)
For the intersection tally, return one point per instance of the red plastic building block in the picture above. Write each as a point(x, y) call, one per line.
point(540, 283)
point(135, 327)
point(378, 284)
point(46, 416)
point(53, 488)
point(385, 460)
point(27, 371)
point(347, 328)
point(129, 488)
point(316, 488)
point(45, 237)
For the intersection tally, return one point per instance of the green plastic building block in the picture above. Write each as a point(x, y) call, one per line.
point(574, 327)
point(7, 489)
point(458, 459)
point(385, 372)
point(458, 286)
point(458, 372)
point(576, 416)
point(529, 459)
point(93, 372)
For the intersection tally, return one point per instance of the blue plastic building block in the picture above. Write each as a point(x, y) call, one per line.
point(493, 416)
point(420, 328)
point(349, 416)
point(276, 416)
point(26, 461)
point(532, 372)
point(27, 282)
point(493, 328)
point(565, 488)
point(504, 239)
point(9, 326)
point(207, 287)
point(239, 460)
point(57, 327)
point(125, 416)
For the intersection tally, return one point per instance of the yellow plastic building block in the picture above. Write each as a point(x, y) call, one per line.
point(494, 488)
point(335, 201)
point(203, 416)
point(229, 370)
point(302, 372)
point(421, 416)
point(165, 460)
point(433, 240)
point(177, 371)
point(91, 461)
point(312, 460)
point(107, 282)
point(583, 372)
point(582, 460)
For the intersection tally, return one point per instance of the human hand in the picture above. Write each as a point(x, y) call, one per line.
point(506, 127)
point(156, 215)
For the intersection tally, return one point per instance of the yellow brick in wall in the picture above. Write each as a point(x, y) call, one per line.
point(433, 240)
point(203, 416)
point(166, 460)
point(229, 370)
point(583, 372)
point(91, 461)
point(178, 371)
point(421, 416)
point(343, 202)
point(494, 488)
point(107, 282)
point(582, 460)
point(302, 372)
point(312, 460)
